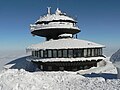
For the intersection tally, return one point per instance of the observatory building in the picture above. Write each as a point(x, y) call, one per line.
point(61, 50)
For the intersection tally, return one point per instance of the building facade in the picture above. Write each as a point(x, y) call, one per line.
point(61, 50)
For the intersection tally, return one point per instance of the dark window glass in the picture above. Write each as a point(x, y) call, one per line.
point(80, 53)
point(65, 53)
point(33, 53)
point(92, 52)
point(55, 53)
point(59, 53)
point(96, 52)
point(88, 52)
point(37, 54)
point(50, 53)
point(45, 53)
point(100, 51)
point(41, 53)
point(85, 52)
point(70, 53)
point(76, 52)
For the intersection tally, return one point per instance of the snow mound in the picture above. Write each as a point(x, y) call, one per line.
point(13, 79)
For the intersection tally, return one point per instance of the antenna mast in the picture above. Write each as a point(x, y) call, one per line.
point(49, 10)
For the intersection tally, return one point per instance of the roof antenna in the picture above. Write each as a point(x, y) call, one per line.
point(76, 36)
point(49, 10)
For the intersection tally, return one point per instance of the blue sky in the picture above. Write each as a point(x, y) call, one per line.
point(99, 21)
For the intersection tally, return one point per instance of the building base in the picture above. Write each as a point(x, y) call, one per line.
point(66, 66)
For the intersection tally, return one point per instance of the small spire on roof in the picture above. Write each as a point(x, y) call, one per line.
point(49, 10)
point(58, 11)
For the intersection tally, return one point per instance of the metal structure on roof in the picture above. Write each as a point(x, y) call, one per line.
point(52, 25)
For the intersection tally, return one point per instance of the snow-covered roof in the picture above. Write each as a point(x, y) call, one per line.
point(68, 43)
point(57, 16)
point(65, 59)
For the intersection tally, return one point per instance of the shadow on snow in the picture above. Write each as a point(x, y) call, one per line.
point(22, 63)
point(104, 75)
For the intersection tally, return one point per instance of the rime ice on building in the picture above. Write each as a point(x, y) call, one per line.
point(61, 51)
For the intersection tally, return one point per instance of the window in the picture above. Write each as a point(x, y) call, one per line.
point(80, 52)
point(55, 53)
point(85, 52)
point(64, 53)
point(41, 53)
point(75, 53)
point(45, 53)
point(100, 51)
point(33, 53)
point(50, 53)
point(92, 52)
point(37, 54)
point(88, 52)
point(49, 67)
point(61, 68)
point(59, 53)
point(70, 53)
point(96, 52)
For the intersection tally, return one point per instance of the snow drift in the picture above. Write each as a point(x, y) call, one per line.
point(14, 79)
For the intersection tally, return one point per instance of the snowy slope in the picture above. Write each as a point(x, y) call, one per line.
point(22, 80)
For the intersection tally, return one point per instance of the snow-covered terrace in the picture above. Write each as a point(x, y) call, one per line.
point(52, 26)
point(65, 59)
point(64, 44)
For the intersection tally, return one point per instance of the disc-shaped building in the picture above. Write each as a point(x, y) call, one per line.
point(61, 50)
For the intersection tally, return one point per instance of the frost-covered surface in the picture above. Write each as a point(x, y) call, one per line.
point(57, 16)
point(65, 35)
point(16, 78)
point(104, 66)
point(64, 44)
point(53, 26)
point(64, 59)
point(57, 20)
point(22, 80)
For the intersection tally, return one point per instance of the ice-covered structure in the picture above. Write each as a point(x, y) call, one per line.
point(115, 59)
point(61, 51)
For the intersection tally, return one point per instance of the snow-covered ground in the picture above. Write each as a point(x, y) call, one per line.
point(18, 76)
point(14, 79)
